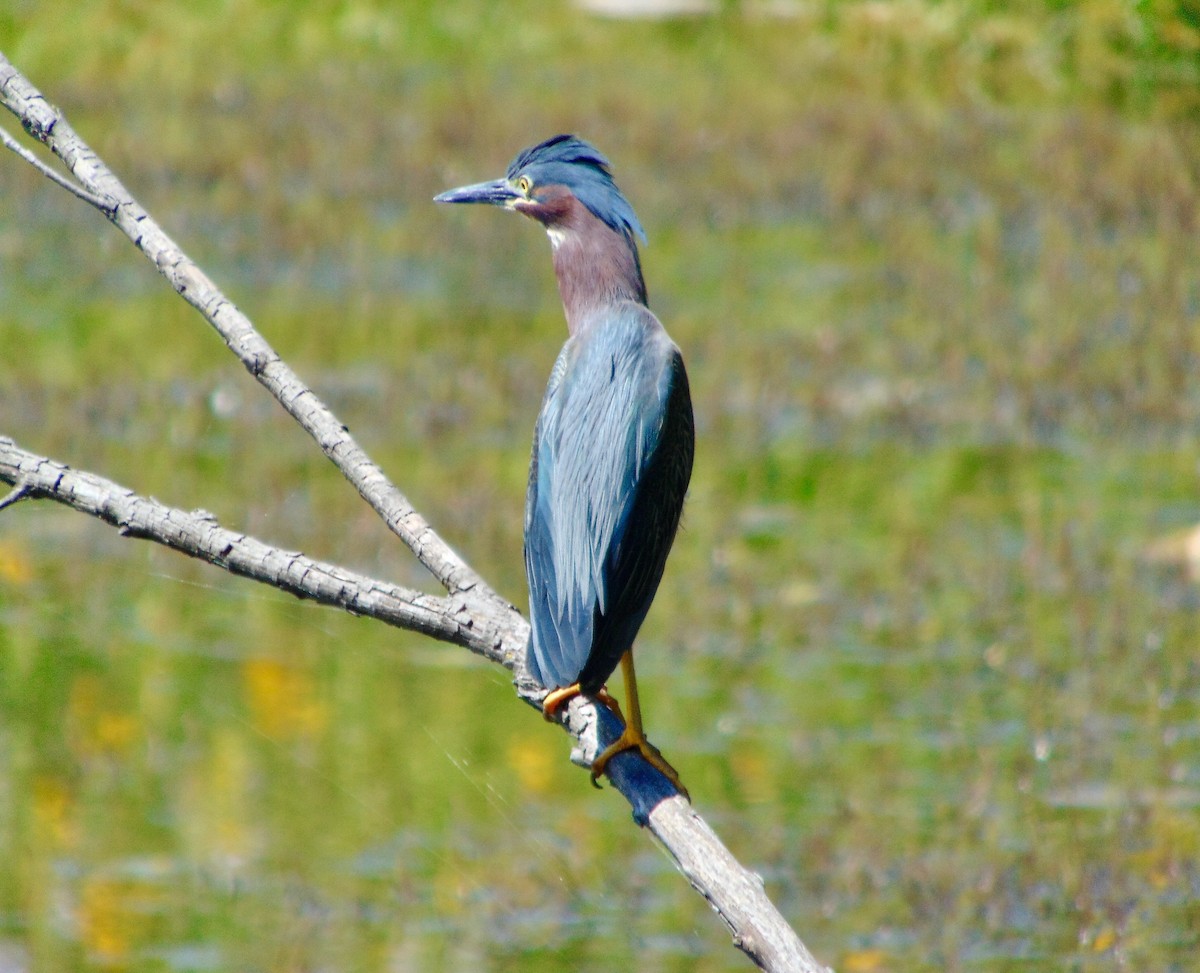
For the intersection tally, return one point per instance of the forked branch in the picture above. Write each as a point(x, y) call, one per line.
point(471, 614)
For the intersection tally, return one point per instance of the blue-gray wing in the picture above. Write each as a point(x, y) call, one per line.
point(612, 457)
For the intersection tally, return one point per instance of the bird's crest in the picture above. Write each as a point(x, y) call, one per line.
point(570, 161)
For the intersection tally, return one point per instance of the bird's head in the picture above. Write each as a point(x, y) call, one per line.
point(544, 181)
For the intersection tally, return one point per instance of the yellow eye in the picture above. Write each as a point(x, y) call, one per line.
point(524, 184)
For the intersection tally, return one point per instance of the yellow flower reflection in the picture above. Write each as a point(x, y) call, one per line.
point(283, 700)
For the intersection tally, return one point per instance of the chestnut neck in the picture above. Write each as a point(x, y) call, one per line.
point(596, 266)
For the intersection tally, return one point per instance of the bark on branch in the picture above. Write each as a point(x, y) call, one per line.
point(460, 619)
point(471, 614)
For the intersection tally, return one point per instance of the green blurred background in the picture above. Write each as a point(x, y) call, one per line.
point(926, 651)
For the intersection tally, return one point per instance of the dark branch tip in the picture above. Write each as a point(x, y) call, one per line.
point(21, 491)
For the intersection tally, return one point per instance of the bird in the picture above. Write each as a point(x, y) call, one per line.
point(614, 441)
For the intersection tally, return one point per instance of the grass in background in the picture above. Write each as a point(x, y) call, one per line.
point(932, 266)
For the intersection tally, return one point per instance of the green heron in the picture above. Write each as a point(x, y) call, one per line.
point(613, 446)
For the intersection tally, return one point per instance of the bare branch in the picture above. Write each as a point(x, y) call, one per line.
point(102, 203)
point(46, 123)
point(735, 893)
point(458, 619)
point(472, 615)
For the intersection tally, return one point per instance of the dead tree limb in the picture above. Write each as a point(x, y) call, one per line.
point(472, 614)
point(197, 534)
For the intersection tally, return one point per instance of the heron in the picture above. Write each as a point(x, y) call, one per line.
point(613, 444)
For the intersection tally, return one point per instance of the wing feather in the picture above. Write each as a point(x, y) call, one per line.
point(612, 454)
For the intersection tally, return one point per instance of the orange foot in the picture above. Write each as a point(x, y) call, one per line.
point(556, 698)
point(632, 738)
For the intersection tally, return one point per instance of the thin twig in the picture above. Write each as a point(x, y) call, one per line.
point(106, 204)
point(18, 493)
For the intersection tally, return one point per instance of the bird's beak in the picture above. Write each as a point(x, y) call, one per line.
point(498, 192)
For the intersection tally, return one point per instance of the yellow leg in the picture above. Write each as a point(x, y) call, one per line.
point(633, 737)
